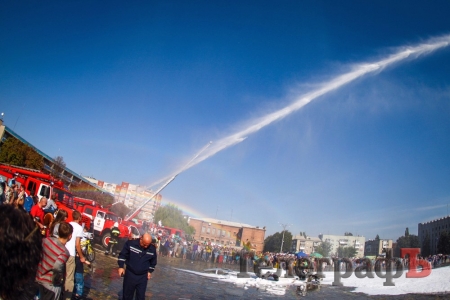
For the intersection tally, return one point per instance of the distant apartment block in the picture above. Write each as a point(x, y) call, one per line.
point(337, 241)
point(131, 195)
point(432, 230)
point(227, 233)
point(304, 244)
point(376, 247)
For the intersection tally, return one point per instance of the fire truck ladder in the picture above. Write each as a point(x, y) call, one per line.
point(186, 166)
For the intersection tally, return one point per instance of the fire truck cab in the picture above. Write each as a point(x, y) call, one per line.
point(103, 221)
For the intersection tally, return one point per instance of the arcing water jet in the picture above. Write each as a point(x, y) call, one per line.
point(326, 87)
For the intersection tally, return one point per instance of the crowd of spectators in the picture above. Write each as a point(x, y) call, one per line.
point(26, 244)
point(34, 258)
point(13, 193)
point(178, 247)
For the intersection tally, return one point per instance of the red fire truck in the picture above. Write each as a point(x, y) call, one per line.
point(44, 185)
point(103, 221)
point(169, 231)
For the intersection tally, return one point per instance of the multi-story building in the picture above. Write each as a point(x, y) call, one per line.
point(305, 244)
point(375, 247)
point(431, 231)
point(109, 187)
point(132, 195)
point(228, 233)
point(337, 241)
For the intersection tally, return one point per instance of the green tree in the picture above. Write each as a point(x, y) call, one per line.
point(120, 209)
point(443, 245)
point(87, 191)
point(58, 167)
point(377, 238)
point(273, 242)
point(324, 248)
point(171, 216)
point(348, 252)
point(426, 245)
point(16, 153)
point(407, 241)
point(348, 234)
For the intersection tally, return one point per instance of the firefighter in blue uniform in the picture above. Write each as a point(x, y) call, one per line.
point(113, 240)
point(140, 258)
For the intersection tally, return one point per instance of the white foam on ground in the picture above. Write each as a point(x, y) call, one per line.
point(437, 282)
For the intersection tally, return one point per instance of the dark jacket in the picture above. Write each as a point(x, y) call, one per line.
point(138, 260)
point(115, 232)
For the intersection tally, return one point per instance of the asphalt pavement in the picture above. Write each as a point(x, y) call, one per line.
point(103, 282)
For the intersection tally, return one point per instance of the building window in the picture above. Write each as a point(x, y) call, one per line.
point(214, 231)
point(203, 229)
point(208, 230)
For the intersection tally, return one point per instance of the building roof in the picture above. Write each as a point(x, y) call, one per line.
point(343, 236)
point(227, 223)
point(15, 135)
point(435, 220)
point(308, 238)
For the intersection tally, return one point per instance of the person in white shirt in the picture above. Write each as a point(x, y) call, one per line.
point(74, 247)
point(51, 205)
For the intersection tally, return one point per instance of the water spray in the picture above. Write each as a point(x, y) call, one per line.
point(185, 167)
point(326, 87)
point(302, 100)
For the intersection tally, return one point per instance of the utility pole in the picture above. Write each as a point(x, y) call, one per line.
point(284, 229)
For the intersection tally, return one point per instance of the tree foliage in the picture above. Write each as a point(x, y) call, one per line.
point(59, 166)
point(16, 153)
point(272, 243)
point(84, 190)
point(348, 234)
point(407, 241)
point(324, 248)
point(426, 245)
point(171, 216)
point(120, 209)
point(348, 252)
point(443, 245)
point(377, 238)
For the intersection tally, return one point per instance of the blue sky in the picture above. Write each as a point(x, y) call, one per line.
point(131, 91)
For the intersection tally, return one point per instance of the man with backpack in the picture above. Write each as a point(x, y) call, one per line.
point(28, 202)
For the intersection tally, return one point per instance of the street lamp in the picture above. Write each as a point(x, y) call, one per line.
point(284, 229)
